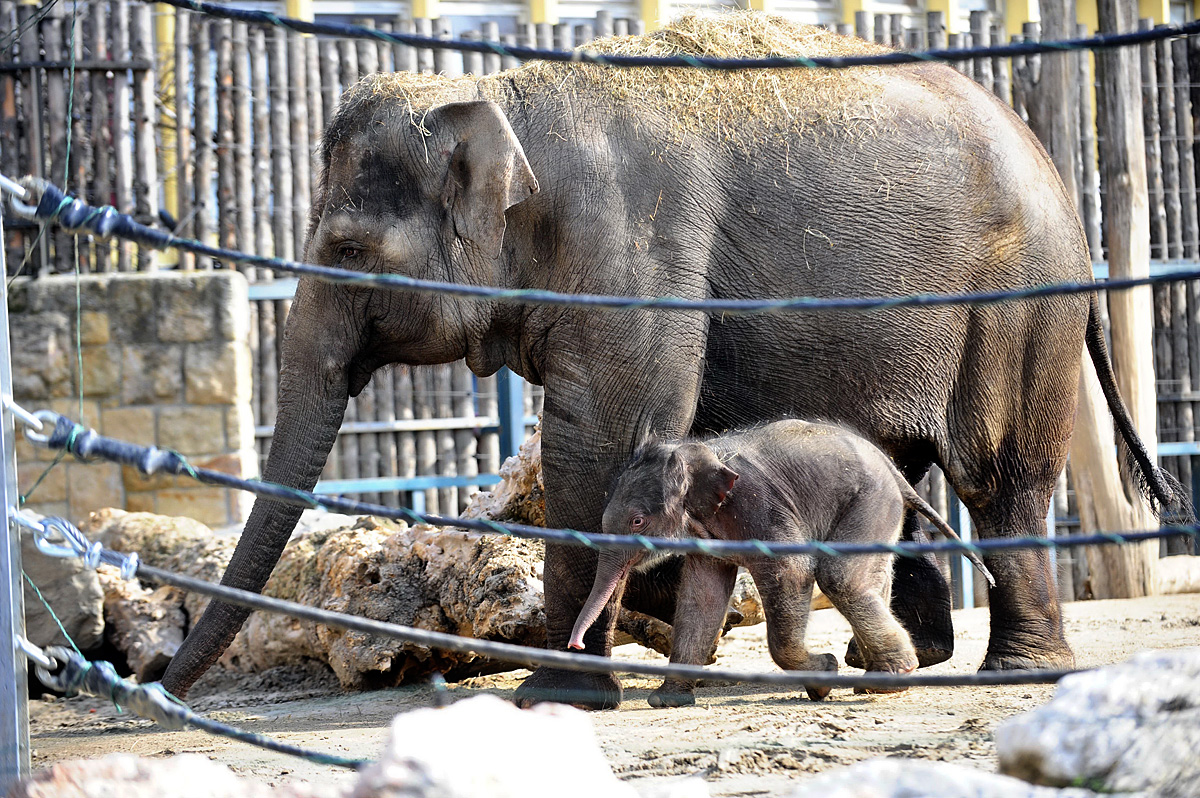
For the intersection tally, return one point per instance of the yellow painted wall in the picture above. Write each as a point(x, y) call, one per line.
point(425, 9)
point(849, 7)
point(1157, 10)
point(1018, 12)
point(299, 9)
point(543, 11)
point(655, 13)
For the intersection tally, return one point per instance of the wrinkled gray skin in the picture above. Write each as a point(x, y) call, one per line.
point(790, 481)
point(612, 203)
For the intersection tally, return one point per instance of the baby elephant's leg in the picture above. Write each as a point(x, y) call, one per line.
point(704, 590)
point(785, 586)
point(859, 587)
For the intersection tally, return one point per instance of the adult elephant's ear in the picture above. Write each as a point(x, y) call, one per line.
point(487, 173)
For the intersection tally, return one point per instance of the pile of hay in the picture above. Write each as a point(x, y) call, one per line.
point(779, 104)
point(719, 104)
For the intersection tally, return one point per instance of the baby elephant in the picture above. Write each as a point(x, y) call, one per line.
point(795, 481)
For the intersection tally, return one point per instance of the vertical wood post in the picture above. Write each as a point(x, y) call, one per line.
point(491, 61)
point(226, 192)
point(1089, 187)
point(981, 37)
point(205, 163)
point(145, 128)
point(14, 670)
point(185, 200)
point(122, 156)
point(297, 98)
point(101, 129)
point(1125, 571)
point(243, 144)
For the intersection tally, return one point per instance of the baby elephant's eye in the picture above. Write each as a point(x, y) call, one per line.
point(637, 522)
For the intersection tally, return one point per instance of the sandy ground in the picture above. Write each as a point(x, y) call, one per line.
point(743, 740)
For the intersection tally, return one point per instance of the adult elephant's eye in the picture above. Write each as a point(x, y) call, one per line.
point(348, 252)
point(637, 522)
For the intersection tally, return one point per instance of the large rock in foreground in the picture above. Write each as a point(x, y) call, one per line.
point(546, 752)
point(1133, 727)
point(482, 747)
point(912, 778)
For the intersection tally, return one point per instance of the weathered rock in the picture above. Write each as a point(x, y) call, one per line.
point(147, 625)
point(71, 590)
point(519, 497)
point(182, 545)
point(1131, 727)
point(549, 751)
point(129, 776)
point(484, 587)
point(910, 778)
point(646, 631)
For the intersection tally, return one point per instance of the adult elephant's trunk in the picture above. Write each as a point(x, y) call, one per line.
point(611, 568)
point(313, 392)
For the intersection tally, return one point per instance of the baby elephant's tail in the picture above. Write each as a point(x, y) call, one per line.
point(921, 506)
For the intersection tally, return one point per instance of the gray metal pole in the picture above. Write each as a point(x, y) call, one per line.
point(14, 674)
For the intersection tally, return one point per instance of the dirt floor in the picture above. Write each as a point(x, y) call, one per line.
point(743, 740)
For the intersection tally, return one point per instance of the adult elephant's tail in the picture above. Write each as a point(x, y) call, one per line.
point(1162, 490)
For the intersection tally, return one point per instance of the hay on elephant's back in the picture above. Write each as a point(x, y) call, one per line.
point(715, 104)
point(719, 102)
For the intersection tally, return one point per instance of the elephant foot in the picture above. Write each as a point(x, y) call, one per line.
point(885, 690)
point(582, 690)
point(1060, 657)
point(673, 694)
point(821, 662)
point(926, 655)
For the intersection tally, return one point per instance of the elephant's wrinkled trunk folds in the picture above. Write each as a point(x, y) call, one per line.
point(611, 568)
point(312, 403)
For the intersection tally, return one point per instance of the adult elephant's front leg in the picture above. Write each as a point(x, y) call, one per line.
point(582, 447)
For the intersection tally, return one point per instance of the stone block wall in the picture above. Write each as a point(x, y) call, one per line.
point(165, 361)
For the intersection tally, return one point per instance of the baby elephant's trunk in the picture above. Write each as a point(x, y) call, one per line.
point(611, 568)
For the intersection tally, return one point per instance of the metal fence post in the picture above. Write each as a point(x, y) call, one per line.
point(510, 401)
point(962, 574)
point(14, 675)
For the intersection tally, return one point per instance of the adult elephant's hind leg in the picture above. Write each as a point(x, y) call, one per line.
point(1026, 619)
point(1008, 493)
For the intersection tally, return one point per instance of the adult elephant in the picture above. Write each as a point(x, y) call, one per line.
point(698, 184)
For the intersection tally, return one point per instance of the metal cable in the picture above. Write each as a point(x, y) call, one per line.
point(152, 702)
point(87, 444)
point(583, 55)
point(76, 216)
point(538, 657)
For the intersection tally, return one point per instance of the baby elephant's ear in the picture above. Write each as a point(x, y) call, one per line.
point(711, 481)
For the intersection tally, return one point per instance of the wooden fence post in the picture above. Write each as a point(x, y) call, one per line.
point(243, 145)
point(1123, 571)
point(185, 201)
point(204, 91)
point(145, 129)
